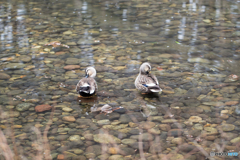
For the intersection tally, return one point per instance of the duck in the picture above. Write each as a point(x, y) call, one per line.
point(87, 86)
point(145, 81)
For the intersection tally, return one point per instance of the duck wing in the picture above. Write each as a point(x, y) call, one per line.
point(83, 86)
point(152, 83)
point(93, 85)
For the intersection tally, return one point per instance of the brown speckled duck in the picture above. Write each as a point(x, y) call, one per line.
point(87, 86)
point(146, 82)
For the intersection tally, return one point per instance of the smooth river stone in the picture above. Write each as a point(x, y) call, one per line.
point(128, 141)
point(177, 140)
point(25, 58)
point(147, 125)
point(227, 127)
point(229, 103)
point(113, 157)
point(71, 67)
point(67, 32)
point(4, 76)
point(69, 118)
point(103, 122)
point(75, 138)
point(15, 65)
point(169, 121)
point(195, 119)
point(199, 60)
point(67, 109)
point(24, 106)
point(144, 137)
point(14, 92)
point(216, 104)
point(211, 130)
point(106, 139)
point(43, 107)
point(235, 140)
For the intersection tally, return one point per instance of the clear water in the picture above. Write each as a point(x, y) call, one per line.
point(193, 47)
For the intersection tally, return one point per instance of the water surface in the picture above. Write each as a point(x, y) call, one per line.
point(193, 47)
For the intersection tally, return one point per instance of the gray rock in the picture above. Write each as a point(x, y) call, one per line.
point(25, 58)
point(24, 106)
point(127, 151)
point(175, 132)
point(39, 27)
point(4, 76)
point(61, 137)
point(75, 50)
point(15, 65)
point(96, 149)
point(227, 127)
point(129, 141)
point(72, 61)
point(14, 92)
point(144, 137)
point(186, 147)
point(126, 118)
point(136, 145)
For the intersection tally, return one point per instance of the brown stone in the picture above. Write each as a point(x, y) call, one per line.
point(43, 107)
point(187, 147)
point(60, 53)
point(231, 148)
point(195, 119)
point(112, 150)
point(69, 118)
point(210, 138)
point(71, 67)
point(60, 156)
point(147, 125)
point(224, 116)
point(229, 103)
point(164, 127)
point(4, 76)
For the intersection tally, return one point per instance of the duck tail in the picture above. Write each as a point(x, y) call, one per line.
point(84, 89)
point(155, 88)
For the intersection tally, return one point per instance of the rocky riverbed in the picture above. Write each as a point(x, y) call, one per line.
point(194, 52)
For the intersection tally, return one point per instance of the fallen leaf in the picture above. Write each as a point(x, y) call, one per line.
point(160, 69)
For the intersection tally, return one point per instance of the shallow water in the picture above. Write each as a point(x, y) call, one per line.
point(193, 47)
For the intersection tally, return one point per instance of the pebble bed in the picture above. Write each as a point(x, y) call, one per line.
point(194, 52)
